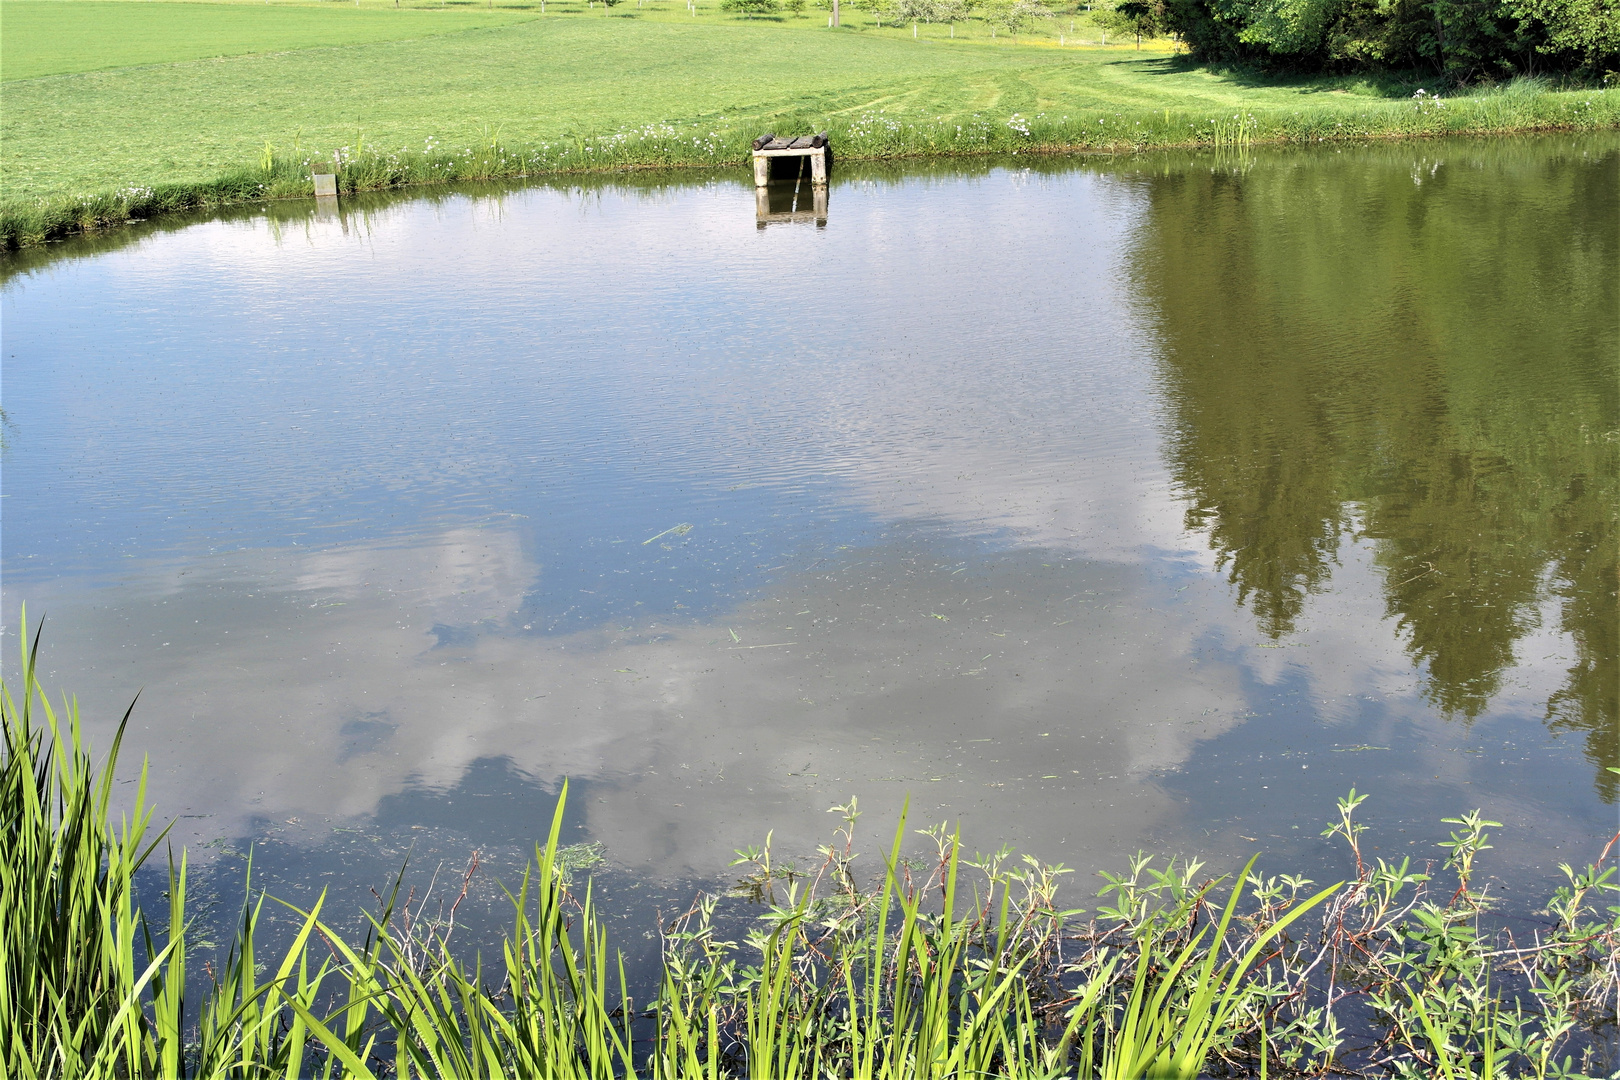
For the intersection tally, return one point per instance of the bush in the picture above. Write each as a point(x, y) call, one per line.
point(1461, 40)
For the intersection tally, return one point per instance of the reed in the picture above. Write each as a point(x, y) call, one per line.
point(68, 983)
point(89, 987)
point(945, 967)
point(863, 136)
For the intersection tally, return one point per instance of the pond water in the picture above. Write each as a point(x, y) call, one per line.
point(1095, 504)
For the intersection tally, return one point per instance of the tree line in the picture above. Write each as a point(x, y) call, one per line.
point(1129, 18)
point(1462, 41)
point(1458, 41)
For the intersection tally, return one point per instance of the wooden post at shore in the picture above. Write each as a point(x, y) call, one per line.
point(767, 148)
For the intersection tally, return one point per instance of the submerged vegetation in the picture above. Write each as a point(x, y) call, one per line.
point(933, 966)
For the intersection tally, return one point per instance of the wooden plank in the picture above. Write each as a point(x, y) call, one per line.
point(777, 144)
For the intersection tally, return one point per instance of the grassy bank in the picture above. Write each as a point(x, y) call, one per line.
point(183, 105)
point(937, 965)
point(26, 222)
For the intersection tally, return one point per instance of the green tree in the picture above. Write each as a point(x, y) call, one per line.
point(1144, 18)
point(1573, 33)
point(1014, 16)
point(1463, 40)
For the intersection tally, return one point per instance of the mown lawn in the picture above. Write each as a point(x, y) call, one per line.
point(99, 95)
point(52, 37)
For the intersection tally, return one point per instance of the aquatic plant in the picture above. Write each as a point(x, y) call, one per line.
point(89, 987)
point(944, 966)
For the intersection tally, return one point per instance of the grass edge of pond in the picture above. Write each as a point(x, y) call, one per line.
point(1513, 110)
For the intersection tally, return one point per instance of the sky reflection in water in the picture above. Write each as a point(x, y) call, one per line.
point(1098, 505)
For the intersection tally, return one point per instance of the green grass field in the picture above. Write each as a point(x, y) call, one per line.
point(55, 38)
point(107, 100)
point(99, 95)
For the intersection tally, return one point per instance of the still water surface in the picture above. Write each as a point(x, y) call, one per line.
point(1095, 504)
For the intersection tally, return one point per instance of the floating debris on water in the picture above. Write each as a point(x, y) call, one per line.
point(675, 530)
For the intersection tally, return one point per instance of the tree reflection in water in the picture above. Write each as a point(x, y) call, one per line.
point(1446, 393)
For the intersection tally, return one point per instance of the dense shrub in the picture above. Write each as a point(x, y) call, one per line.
point(1461, 40)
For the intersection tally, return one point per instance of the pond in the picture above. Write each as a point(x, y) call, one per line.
point(1096, 504)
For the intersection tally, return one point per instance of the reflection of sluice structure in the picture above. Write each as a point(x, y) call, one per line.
point(783, 202)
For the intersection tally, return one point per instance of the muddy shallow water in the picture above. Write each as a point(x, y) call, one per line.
point(1096, 504)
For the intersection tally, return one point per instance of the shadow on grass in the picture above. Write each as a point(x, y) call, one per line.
point(1389, 85)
